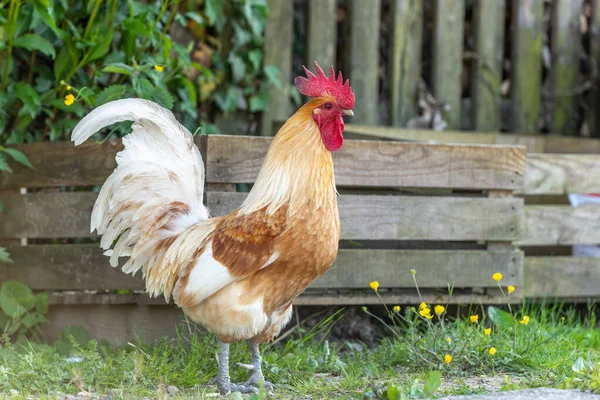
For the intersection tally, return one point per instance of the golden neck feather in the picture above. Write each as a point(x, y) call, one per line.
point(298, 168)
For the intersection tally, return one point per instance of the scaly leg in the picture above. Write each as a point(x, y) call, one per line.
point(257, 375)
point(223, 380)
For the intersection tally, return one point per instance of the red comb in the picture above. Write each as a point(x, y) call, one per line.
point(320, 84)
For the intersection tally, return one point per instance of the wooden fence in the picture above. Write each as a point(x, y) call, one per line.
point(493, 63)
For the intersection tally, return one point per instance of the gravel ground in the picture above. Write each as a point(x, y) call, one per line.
point(530, 394)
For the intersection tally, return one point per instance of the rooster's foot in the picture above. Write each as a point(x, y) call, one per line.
point(228, 387)
point(256, 378)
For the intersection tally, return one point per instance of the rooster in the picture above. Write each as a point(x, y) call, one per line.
point(238, 274)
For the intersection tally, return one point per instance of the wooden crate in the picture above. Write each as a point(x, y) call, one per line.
point(446, 211)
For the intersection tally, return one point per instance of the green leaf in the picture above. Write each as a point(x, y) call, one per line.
point(41, 8)
point(238, 68)
point(500, 317)
point(29, 97)
point(119, 68)
point(31, 42)
point(392, 392)
point(4, 164)
point(30, 320)
point(432, 383)
point(63, 60)
point(212, 10)
point(16, 298)
point(103, 46)
point(162, 97)
point(4, 256)
point(19, 157)
point(113, 92)
point(41, 303)
point(260, 101)
point(272, 73)
point(1, 207)
point(255, 57)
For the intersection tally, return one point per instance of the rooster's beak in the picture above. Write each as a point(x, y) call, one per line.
point(348, 112)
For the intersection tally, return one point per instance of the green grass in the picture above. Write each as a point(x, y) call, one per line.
point(556, 339)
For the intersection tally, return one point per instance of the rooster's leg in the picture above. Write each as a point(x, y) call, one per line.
point(223, 380)
point(257, 375)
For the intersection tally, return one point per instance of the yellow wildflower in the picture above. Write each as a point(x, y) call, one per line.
point(487, 331)
point(525, 320)
point(69, 99)
point(447, 358)
point(374, 285)
point(448, 340)
point(511, 289)
point(422, 306)
point(426, 312)
point(69, 87)
point(439, 310)
point(396, 309)
point(497, 277)
point(159, 68)
point(474, 318)
point(492, 351)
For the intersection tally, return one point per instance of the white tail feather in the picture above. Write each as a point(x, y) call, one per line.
point(153, 195)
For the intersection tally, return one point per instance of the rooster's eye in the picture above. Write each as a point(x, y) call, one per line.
point(328, 106)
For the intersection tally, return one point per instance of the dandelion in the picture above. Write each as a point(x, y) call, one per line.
point(448, 340)
point(447, 358)
point(474, 318)
point(159, 68)
point(396, 309)
point(511, 289)
point(439, 310)
point(497, 277)
point(487, 331)
point(525, 320)
point(422, 305)
point(492, 351)
point(374, 285)
point(426, 313)
point(69, 99)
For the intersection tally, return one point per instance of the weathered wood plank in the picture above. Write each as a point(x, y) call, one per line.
point(80, 267)
point(526, 71)
point(447, 58)
point(593, 114)
point(413, 218)
point(63, 164)
point(562, 174)
point(487, 67)
point(383, 164)
point(566, 48)
point(561, 225)
point(364, 59)
point(278, 52)
point(322, 33)
point(405, 59)
point(562, 277)
point(67, 215)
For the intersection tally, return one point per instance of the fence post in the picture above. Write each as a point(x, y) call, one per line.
point(487, 65)
point(526, 72)
point(365, 19)
point(594, 111)
point(278, 52)
point(405, 59)
point(447, 58)
point(322, 33)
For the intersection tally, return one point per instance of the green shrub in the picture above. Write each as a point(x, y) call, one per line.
point(60, 58)
point(21, 311)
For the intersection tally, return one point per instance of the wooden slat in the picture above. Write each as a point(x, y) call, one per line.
point(593, 114)
point(562, 174)
point(561, 225)
point(413, 218)
point(322, 33)
point(364, 59)
point(566, 49)
point(562, 277)
point(405, 59)
point(448, 58)
point(79, 267)
point(67, 215)
point(383, 164)
point(278, 52)
point(63, 164)
point(487, 76)
point(526, 71)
